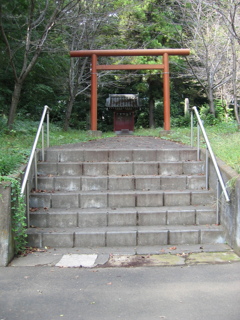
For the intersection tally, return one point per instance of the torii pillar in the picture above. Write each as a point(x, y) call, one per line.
point(130, 52)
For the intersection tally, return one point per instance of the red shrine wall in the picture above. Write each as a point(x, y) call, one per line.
point(123, 121)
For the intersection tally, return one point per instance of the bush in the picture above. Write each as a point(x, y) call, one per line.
point(222, 114)
point(181, 121)
point(11, 161)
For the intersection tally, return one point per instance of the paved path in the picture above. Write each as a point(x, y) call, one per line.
point(125, 142)
point(144, 293)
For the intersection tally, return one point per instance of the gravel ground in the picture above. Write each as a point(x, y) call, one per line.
point(125, 142)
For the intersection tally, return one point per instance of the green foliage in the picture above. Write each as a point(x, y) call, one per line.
point(181, 121)
point(223, 114)
point(10, 162)
point(224, 138)
point(18, 214)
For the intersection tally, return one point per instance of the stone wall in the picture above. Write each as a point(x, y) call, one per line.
point(229, 211)
point(6, 234)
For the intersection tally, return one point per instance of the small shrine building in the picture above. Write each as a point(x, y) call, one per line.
point(123, 107)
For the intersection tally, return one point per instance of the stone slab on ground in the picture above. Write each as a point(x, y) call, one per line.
point(77, 261)
point(127, 256)
point(212, 257)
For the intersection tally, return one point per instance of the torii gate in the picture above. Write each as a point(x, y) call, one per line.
point(94, 54)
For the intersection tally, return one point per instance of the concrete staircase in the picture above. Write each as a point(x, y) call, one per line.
point(115, 198)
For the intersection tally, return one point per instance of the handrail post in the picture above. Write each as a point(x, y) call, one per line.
point(218, 192)
point(198, 142)
point(191, 128)
point(207, 169)
point(27, 204)
point(43, 142)
point(47, 128)
point(35, 170)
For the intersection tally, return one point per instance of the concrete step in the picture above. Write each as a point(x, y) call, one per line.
point(145, 216)
point(101, 183)
point(124, 236)
point(120, 199)
point(120, 155)
point(121, 168)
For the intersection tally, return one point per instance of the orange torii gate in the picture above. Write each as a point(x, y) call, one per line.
point(94, 54)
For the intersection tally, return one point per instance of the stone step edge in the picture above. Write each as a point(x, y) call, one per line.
point(131, 176)
point(125, 236)
point(121, 192)
point(124, 229)
point(185, 148)
point(138, 250)
point(123, 209)
point(121, 162)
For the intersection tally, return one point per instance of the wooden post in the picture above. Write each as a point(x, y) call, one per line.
point(94, 93)
point(166, 92)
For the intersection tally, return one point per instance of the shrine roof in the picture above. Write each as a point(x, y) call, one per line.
point(122, 101)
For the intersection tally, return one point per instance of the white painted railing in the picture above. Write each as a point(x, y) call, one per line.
point(33, 157)
point(220, 182)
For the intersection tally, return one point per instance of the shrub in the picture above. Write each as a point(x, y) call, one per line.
point(181, 121)
point(11, 160)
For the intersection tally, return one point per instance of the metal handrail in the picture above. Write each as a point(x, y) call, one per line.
point(209, 149)
point(25, 181)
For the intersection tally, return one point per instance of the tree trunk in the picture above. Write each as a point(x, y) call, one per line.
point(234, 81)
point(68, 113)
point(15, 100)
point(151, 112)
point(211, 101)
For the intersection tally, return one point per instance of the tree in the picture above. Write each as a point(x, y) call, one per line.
point(230, 13)
point(204, 33)
point(147, 26)
point(95, 27)
point(25, 26)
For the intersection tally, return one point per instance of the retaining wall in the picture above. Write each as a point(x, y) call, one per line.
point(6, 234)
point(229, 211)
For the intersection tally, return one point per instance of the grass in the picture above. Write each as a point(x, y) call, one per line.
point(224, 139)
point(16, 145)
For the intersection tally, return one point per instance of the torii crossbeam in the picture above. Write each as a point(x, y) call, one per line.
point(94, 54)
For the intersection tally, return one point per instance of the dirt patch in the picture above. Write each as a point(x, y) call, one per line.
point(144, 260)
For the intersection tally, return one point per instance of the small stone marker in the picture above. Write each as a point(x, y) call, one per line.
point(77, 261)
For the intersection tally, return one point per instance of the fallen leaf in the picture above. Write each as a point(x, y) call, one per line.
point(173, 248)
